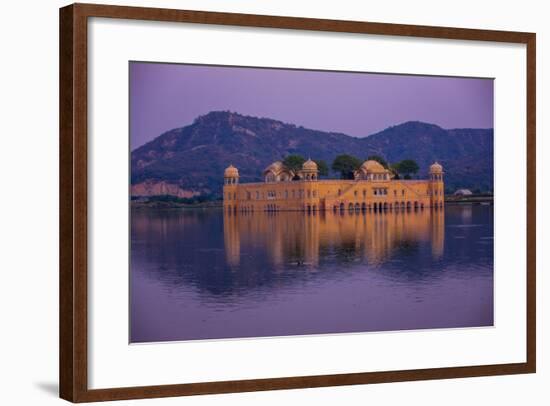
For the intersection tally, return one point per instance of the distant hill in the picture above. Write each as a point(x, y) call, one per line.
point(190, 161)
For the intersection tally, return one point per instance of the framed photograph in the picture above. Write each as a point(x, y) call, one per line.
point(255, 202)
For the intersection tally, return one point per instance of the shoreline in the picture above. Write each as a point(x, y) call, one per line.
point(218, 204)
point(175, 205)
point(471, 199)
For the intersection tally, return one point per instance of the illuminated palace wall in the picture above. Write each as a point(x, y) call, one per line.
point(296, 237)
point(373, 188)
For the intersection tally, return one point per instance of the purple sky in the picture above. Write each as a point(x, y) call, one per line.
point(166, 96)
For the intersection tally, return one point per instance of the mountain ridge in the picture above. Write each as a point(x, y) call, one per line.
point(189, 161)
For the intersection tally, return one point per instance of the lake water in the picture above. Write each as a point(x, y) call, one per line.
point(206, 274)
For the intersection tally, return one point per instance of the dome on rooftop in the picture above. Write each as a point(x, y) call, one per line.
point(436, 168)
point(309, 165)
point(372, 166)
point(231, 172)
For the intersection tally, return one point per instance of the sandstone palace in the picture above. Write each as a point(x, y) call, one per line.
point(373, 188)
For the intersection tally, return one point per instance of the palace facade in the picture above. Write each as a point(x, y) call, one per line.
point(373, 188)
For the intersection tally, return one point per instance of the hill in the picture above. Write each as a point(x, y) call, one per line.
point(190, 161)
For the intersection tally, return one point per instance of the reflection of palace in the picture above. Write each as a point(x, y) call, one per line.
point(304, 238)
point(372, 189)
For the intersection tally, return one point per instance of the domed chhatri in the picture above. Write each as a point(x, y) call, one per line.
point(309, 165)
point(231, 172)
point(373, 188)
point(436, 168)
point(309, 171)
point(231, 175)
point(436, 172)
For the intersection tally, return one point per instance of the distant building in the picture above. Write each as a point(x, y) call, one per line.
point(373, 188)
point(463, 192)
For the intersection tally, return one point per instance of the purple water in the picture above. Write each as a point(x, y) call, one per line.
point(203, 274)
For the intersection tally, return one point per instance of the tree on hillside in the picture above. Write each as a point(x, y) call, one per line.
point(294, 162)
point(322, 166)
point(378, 159)
point(346, 165)
point(406, 167)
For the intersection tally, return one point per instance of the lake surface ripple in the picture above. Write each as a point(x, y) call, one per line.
point(206, 274)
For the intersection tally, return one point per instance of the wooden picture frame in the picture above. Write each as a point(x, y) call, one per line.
point(74, 201)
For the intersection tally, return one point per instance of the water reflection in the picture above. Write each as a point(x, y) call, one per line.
point(205, 274)
point(300, 238)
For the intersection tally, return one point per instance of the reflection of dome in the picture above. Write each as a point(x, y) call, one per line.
point(231, 172)
point(372, 166)
point(309, 165)
point(436, 168)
